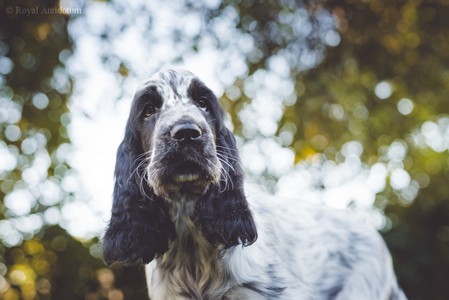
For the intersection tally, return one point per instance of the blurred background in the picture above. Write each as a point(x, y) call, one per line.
point(344, 103)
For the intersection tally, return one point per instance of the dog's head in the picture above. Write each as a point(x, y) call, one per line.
point(178, 120)
point(176, 147)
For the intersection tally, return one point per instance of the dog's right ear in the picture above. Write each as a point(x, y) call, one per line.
point(140, 227)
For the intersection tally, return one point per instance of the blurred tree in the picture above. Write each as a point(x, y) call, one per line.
point(39, 261)
point(389, 78)
point(331, 74)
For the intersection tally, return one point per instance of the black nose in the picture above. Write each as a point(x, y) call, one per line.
point(185, 132)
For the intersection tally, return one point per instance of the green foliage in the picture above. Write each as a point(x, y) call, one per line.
point(56, 266)
point(384, 85)
point(402, 43)
point(38, 261)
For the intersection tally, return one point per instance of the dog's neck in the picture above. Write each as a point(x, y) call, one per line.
point(189, 242)
point(191, 261)
point(189, 239)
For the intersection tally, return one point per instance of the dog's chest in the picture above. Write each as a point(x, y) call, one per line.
point(192, 275)
point(190, 269)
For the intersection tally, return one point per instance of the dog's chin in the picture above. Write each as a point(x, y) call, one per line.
point(186, 180)
point(183, 186)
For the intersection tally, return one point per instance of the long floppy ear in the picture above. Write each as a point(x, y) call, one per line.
point(140, 228)
point(223, 213)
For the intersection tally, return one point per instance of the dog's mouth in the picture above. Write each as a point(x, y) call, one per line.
point(187, 171)
point(180, 174)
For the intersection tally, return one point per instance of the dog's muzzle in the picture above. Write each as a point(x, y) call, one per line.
point(185, 159)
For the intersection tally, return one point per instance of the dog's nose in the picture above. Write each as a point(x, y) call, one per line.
point(185, 132)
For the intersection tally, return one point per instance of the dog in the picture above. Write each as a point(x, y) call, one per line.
point(179, 206)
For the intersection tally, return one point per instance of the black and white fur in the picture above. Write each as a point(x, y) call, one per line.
point(179, 205)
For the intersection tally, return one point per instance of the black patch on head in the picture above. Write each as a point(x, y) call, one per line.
point(196, 91)
point(142, 126)
point(143, 98)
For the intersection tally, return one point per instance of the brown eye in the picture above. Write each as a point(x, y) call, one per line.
point(150, 110)
point(203, 104)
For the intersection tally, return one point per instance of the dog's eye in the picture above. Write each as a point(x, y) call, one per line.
point(150, 110)
point(203, 104)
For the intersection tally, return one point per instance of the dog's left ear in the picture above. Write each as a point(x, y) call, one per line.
point(223, 213)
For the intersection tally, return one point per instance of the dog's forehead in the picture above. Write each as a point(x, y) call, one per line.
point(172, 85)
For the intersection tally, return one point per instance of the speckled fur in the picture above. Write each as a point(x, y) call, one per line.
point(209, 241)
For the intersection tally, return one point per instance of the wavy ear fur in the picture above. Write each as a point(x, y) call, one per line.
point(140, 228)
point(223, 213)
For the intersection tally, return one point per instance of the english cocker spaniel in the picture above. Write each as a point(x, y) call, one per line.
point(179, 206)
